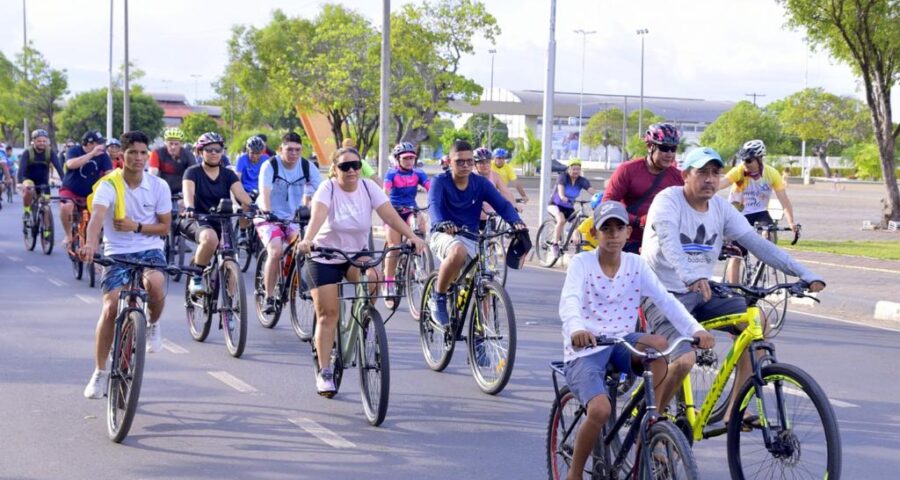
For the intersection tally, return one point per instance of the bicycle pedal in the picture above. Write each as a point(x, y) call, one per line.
point(715, 432)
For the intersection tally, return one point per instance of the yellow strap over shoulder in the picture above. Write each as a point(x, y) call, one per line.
point(118, 182)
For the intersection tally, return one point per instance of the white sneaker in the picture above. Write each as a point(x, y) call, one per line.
point(96, 387)
point(325, 383)
point(154, 338)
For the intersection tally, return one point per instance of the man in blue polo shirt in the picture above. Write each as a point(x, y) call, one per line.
point(85, 164)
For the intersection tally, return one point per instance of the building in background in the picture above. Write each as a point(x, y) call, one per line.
point(175, 108)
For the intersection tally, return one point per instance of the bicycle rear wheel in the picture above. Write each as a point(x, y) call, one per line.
point(303, 311)
point(566, 416)
point(126, 374)
point(777, 303)
point(198, 318)
point(374, 367)
point(247, 249)
point(704, 372)
point(233, 311)
point(668, 455)
point(29, 233)
point(77, 264)
point(268, 320)
point(418, 268)
point(492, 339)
point(806, 442)
point(543, 243)
point(437, 342)
point(46, 230)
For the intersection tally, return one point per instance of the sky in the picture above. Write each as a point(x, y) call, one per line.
point(707, 49)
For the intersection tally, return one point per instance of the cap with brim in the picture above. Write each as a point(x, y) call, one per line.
point(610, 209)
point(699, 157)
point(574, 162)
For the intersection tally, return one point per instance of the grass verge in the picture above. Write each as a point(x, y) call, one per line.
point(879, 250)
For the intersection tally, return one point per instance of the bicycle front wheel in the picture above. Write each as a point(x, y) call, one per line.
point(496, 261)
point(46, 230)
point(29, 232)
point(126, 374)
point(374, 367)
point(77, 264)
point(437, 342)
point(233, 311)
point(668, 455)
point(198, 318)
point(804, 437)
point(268, 320)
point(492, 339)
point(544, 242)
point(418, 268)
point(303, 311)
point(566, 417)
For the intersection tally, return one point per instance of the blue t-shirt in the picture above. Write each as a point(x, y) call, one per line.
point(289, 189)
point(446, 202)
point(81, 180)
point(249, 171)
point(572, 190)
point(402, 186)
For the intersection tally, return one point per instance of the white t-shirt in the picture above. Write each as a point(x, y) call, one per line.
point(349, 216)
point(142, 204)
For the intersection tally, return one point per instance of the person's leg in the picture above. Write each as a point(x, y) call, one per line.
point(586, 378)
point(453, 262)
point(560, 226)
point(207, 242)
point(682, 360)
point(103, 334)
point(155, 284)
point(65, 215)
point(390, 262)
point(598, 410)
point(274, 251)
point(733, 268)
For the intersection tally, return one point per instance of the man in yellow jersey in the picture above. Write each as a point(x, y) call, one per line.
point(505, 171)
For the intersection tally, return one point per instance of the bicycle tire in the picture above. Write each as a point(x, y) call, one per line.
point(234, 324)
point(799, 383)
point(437, 343)
point(29, 233)
point(543, 242)
point(778, 300)
point(565, 414)
point(198, 317)
point(496, 261)
point(179, 251)
point(677, 446)
point(501, 358)
point(418, 268)
point(268, 320)
point(92, 274)
point(303, 311)
point(124, 388)
point(374, 367)
point(247, 251)
point(77, 264)
point(46, 230)
point(704, 372)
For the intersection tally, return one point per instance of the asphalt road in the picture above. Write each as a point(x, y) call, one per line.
point(204, 414)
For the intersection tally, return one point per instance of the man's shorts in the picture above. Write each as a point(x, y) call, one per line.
point(763, 218)
point(441, 243)
point(693, 302)
point(69, 196)
point(190, 228)
point(269, 231)
point(586, 376)
point(117, 275)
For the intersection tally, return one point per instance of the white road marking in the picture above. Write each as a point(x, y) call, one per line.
point(322, 433)
point(843, 320)
point(57, 282)
point(172, 347)
point(86, 299)
point(856, 267)
point(13, 259)
point(232, 381)
point(33, 269)
point(837, 403)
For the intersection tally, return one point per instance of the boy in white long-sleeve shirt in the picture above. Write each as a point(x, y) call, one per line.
point(600, 296)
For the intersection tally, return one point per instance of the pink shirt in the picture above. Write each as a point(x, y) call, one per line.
point(349, 216)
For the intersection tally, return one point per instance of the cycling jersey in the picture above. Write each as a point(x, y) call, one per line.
point(572, 190)
point(249, 171)
point(585, 230)
point(629, 185)
point(403, 185)
point(506, 172)
point(208, 192)
point(752, 193)
point(35, 166)
point(170, 169)
point(80, 181)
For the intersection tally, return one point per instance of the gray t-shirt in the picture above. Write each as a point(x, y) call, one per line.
point(289, 189)
point(681, 244)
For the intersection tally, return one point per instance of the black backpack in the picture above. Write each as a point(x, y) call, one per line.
point(304, 164)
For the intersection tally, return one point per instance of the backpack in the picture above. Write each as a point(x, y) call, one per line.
point(304, 164)
point(32, 156)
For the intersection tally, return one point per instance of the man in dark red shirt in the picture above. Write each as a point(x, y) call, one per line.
point(636, 182)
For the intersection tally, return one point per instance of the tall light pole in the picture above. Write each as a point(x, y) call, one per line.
point(384, 106)
point(109, 87)
point(641, 32)
point(547, 117)
point(584, 35)
point(195, 76)
point(25, 133)
point(126, 109)
point(492, 51)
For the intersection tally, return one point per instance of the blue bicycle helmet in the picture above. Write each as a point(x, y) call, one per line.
point(501, 153)
point(596, 199)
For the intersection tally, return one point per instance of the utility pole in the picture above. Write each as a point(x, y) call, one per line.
point(384, 107)
point(25, 133)
point(109, 88)
point(584, 35)
point(642, 32)
point(754, 95)
point(547, 117)
point(490, 145)
point(126, 114)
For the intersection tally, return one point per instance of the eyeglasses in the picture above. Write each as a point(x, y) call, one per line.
point(465, 162)
point(351, 165)
point(293, 150)
point(212, 149)
point(667, 148)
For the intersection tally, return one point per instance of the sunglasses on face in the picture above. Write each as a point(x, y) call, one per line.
point(463, 162)
point(212, 149)
point(667, 148)
point(351, 165)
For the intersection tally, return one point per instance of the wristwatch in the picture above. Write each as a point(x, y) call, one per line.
point(139, 228)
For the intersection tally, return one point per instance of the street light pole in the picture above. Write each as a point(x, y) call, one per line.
point(126, 112)
point(490, 145)
point(547, 117)
point(25, 133)
point(641, 32)
point(384, 105)
point(584, 35)
point(195, 76)
point(109, 87)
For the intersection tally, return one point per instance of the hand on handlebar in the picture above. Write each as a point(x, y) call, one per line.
point(583, 339)
point(520, 226)
point(187, 213)
point(446, 227)
point(419, 244)
point(702, 287)
point(86, 252)
point(816, 286)
point(305, 246)
point(705, 340)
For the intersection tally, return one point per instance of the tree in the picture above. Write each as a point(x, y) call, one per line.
point(11, 111)
point(745, 121)
point(478, 125)
point(528, 152)
point(823, 118)
point(862, 34)
point(604, 129)
point(196, 124)
point(449, 135)
point(40, 89)
point(87, 111)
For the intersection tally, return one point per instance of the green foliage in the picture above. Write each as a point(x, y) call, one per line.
point(11, 111)
point(450, 135)
point(239, 142)
point(478, 125)
point(40, 89)
point(815, 115)
point(868, 164)
point(436, 132)
point(604, 129)
point(528, 151)
point(636, 146)
point(743, 122)
point(87, 111)
point(196, 124)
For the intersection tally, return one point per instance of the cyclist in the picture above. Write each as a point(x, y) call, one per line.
point(268, 151)
point(506, 172)
point(686, 228)
point(367, 170)
point(752, 185)
point(584, 229)
point(13, 164)
point(286, 182)
point(636, 183)
point(204, 186)
point(341, 219)
point(114, 150)
point(401, 184)
point(600, 296)
point(170, 161)
point(133, 231)
point(483, 168)
point(5, 174)
point(455, 202)
point(84, 165)
point(568, 187)
point(248, 164)
point(34, 165)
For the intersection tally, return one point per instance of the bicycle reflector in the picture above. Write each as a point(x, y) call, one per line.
point(518, 250)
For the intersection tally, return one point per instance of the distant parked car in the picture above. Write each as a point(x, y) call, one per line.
point(555, 167)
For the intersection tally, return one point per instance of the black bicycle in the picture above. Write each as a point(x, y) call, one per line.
point(491, 336)
point(544, 251)
point(39, 223)
point(661, 448)
point(126, 370)
point(225, 292)
point(412, 269)
point(175, 246)
point(249, 245)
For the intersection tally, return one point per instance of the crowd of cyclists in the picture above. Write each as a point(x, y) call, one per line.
point(655, 233)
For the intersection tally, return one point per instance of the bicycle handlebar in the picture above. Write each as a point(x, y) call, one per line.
point(169, 269)
point(478, 236)
point(376, 256)
point(771, 227)
point(795, 289)
point(604, 341)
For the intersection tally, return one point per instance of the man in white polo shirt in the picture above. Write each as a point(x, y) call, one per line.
point(136, 237)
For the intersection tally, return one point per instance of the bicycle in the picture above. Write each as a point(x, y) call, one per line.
point(496, 249)
point(39, 223)
point(661, 448)
point(412, 269)
point(174, 243)
point(290, 288)
point(225, 288)
point(80, 219)
point(126, 368)
point(762, 406)
point(360, 335)
point(491, 336)
point(249, 244)
point(755, 273)
point(545, 241)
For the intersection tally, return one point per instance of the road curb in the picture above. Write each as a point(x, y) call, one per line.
point(885, 310)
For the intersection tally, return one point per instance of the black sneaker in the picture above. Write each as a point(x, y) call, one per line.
point(270, 306)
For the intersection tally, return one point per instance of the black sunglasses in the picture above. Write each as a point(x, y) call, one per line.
point(667, 148)
point(462, 162)
point(351, 165)
point(212, 149)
